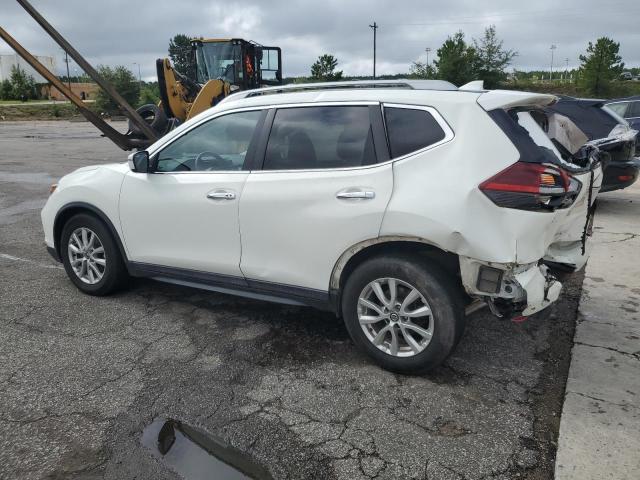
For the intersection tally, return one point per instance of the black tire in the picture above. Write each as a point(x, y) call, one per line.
point(115, 274)
point(153, 115)
point(437, 288)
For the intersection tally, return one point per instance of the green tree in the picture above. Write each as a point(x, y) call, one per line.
point(324, 70)
point(492, 58)
point(149, 93)
point(125, 83)
point(6, 90)
point(180, 53)
point(422, 70)
point(23, 86)
point(457, 61)
point(600, 65)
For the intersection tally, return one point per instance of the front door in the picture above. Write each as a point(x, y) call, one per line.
point(185, 214)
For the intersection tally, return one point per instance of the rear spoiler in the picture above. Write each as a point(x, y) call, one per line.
point(505, 99)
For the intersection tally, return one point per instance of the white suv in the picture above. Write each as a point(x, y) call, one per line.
point(393, 205)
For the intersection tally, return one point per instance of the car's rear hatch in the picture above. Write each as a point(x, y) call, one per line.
point(545, 139)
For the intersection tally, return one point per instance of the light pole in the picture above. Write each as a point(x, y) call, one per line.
point(566, 69)
point(375, 28)
point(139, 76)
point(428, 49)
point(66, 60)
point(553, 47)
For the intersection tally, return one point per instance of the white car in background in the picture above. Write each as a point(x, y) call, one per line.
point(392, 204)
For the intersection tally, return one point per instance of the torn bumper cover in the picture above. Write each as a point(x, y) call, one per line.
point(510, 289)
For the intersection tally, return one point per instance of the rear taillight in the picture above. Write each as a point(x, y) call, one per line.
point(532, 186)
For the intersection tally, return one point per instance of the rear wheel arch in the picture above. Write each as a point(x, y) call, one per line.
point(412, 247)
point(70, 210)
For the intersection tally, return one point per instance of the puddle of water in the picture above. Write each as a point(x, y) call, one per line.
point(196, 455)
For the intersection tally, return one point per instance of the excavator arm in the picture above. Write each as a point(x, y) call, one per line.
point(124, 141)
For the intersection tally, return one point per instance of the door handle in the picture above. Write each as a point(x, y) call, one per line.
point(348, 194)
point(221, 195)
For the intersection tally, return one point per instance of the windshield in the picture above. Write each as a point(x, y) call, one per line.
point(218, 60)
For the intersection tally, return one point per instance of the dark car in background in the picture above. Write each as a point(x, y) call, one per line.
point(610, 133)
point(628, 108)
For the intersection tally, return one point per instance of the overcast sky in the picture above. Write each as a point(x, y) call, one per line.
point(127, 31)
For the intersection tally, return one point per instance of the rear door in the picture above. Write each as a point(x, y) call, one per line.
point(324, 186)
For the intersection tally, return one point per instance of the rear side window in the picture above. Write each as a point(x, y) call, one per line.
point(619, 108)
point(410, 130)
point(634, 110)
point(305, 138)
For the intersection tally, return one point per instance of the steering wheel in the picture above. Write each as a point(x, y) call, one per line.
point(210, 161)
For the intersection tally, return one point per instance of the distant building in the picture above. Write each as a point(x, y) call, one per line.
point(86, 91)
point(9, 61)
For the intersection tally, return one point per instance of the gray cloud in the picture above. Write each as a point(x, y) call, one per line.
point(124, 32)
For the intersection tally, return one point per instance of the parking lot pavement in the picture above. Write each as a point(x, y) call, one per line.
point(81, 377)
point(600, 429)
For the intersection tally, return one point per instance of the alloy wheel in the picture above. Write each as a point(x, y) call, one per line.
point(395, 317)
point(86, 255)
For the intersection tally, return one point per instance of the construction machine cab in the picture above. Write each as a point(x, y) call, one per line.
point(217, 68)
point(243, 64)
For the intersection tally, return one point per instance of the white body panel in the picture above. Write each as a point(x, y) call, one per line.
point(98, 186)
point(294, 228)
point(168, 220)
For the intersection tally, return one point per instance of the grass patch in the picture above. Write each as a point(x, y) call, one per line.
point(28, 102)
point(38, 111)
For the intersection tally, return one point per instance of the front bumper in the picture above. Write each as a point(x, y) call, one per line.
point(522, 289)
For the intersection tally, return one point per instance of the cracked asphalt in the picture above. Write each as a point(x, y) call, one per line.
point(81, 377)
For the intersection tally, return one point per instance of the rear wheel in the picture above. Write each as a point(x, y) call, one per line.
point(91, 257)
point(406, 316)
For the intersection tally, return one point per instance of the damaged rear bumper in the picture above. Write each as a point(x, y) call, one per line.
point(510, 289)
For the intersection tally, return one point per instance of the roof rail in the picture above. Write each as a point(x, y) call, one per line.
point(303, 87)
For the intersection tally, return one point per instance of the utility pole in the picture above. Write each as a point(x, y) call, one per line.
point(66, 60)
point(553, 47)
point(566, 69)
point(375, 27)
point(428, 49)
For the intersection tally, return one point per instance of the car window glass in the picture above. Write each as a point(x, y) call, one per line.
point(634, 110)
point(619, 108)
point(220, 144)
point(410, 130)
point(320, 137)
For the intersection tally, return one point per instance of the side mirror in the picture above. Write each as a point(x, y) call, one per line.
point(139, 162)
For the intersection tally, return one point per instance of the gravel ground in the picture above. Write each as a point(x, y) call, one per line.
point(81, 377)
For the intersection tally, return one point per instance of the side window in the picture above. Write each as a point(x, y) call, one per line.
point(220, 144)
point(320, 137)
point(634, 110)
point(410, 130)
point(620, 108)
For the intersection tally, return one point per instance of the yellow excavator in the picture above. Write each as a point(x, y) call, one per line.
point(217, 68)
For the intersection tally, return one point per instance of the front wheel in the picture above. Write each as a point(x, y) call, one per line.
point(91, 257)
point(405, 315)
